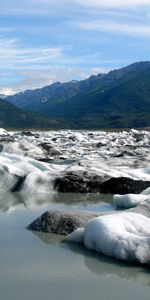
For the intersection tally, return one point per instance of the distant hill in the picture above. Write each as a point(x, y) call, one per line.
point(13, 117)
point(120, 98)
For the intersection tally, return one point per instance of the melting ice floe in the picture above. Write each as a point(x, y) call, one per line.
point(124, 236)
point(129, 200)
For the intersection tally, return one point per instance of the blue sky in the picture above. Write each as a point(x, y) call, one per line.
point(43, 41)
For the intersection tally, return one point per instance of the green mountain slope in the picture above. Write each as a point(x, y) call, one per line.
point(13, 117)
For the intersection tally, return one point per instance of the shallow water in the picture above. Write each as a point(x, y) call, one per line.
point(37, 265)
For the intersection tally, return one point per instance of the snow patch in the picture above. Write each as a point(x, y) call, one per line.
point(45, 99)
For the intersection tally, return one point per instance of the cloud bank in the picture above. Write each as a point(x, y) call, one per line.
point(50, 6)
point(117, 27)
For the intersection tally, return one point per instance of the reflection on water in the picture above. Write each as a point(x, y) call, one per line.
point(103, 266)
point(10, 202)
point(49, 238)
point(100, 265)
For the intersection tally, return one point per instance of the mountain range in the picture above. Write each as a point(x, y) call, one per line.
point(118, 99)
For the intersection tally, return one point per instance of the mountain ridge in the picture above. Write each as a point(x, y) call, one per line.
point(120, 98)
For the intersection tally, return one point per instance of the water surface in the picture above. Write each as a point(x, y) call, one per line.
point(41, 265)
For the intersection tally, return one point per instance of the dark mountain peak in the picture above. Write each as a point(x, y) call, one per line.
point(55, 84)
point(74, 81)
point(141, 65)
point(96, 77)
point(137, 66)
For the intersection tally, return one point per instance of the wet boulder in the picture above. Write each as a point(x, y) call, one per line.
point(87, 183)
point(124, 185)
point(50, 149)
point(78, 183)
point(61, 221)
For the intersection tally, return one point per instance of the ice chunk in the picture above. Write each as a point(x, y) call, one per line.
point(3, 131)
point(7, 180)
point(146, 192)
point(76, 236)
point(39, 165)
point(128, 200)
point(124, 236)
point(37, 182)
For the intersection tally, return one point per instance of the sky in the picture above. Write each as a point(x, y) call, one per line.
point(44, 41)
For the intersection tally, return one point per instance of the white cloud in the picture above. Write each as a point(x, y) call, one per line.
point(113, 3)
point(13, 55)
point(31, 7)
point(6, 91)
point(116, 27)
point(16, 56)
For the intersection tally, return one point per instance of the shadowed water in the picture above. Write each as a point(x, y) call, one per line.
point(37, 265)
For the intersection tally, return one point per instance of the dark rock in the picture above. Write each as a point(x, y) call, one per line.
point(1, 147)
point(45, 159)
point(74, 183)
point(99, 145)
point(46, 146)
point(123, 153)
point(7, 139)
point(72, 138)
point(61, 222)
point(27, 133)
point(70, 184)
point(87, 183)
point(17, 187)
point(124, 185)
point(94, 184)
point(49, 149)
